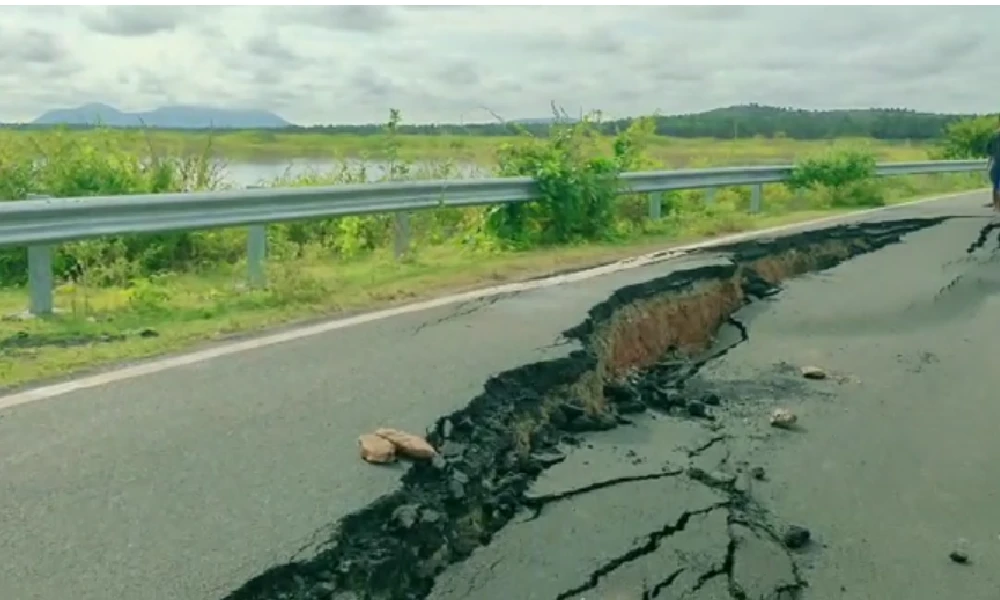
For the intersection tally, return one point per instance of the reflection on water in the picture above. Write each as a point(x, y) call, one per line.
point(243, 174)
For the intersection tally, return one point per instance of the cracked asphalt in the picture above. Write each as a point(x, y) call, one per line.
point(891, 467)
point(185, 483)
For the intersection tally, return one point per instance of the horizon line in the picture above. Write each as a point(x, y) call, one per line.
point(460, 123)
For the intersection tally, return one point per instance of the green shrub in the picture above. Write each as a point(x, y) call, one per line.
point(65, 165)
point(845, 176)
point(579, 187)
point(966, 138)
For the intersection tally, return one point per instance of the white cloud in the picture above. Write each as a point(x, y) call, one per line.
point(352, 63)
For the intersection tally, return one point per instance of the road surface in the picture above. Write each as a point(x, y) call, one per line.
point(186, 483)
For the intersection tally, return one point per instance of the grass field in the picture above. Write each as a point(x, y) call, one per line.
point(667, 152)
point(129, 300)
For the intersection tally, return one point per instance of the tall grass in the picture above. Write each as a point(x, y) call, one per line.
point(262, 146)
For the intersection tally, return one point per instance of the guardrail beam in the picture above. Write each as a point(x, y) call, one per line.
point(40, 222)
point(67, 219)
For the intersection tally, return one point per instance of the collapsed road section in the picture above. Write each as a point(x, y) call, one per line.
point(639, 349)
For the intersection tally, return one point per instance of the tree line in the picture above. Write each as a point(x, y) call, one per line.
point(734, 122)
point(724, 123)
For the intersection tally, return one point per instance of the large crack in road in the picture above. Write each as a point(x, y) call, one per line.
point(701, 530)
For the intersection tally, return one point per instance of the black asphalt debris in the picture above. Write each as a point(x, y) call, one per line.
point(796, 537)
point(813, 372)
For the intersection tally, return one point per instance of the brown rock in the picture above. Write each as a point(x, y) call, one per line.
point(407, 444)
point(783, 418)
point(376, 449)
point(813, 372)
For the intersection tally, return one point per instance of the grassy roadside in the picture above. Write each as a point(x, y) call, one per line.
point(103, 325)
point(128, 297)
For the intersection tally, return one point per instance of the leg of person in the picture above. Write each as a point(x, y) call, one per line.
point(995, 180)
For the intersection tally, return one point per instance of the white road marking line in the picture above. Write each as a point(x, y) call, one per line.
point(163, 364)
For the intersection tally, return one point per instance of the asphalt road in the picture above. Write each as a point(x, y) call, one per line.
point(185, 483)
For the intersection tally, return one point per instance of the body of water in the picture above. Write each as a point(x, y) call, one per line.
point(245, 174)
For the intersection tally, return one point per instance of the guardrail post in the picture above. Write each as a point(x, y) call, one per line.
point(710, 196)
point(402, 234)
point(256, 255)
point(256, 252)
point(40, 280)
point(756, 193)
point(655, 206)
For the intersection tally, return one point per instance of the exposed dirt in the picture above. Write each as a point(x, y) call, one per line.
point(640, 346)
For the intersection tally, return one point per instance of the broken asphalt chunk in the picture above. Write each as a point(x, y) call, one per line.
point(782, 418)
point(547, 458)
point(697, 409)
point(813, 372)
point(626, 398)
point(711, 399)
point(406, 515)
point(796, 537)
point(578, 420)
point(959, 554)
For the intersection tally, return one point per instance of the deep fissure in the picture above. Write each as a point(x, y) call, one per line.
point(639, 348)
point(984, 234)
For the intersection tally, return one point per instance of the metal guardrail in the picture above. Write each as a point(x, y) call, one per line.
point(41, 223)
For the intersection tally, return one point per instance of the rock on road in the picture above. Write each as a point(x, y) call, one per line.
point(187, 482)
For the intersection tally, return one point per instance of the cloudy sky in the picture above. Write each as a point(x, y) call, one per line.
point(352, 63)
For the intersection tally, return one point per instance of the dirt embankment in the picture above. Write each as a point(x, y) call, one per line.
point(640, 346)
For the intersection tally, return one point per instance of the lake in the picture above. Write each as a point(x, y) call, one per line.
point(245, 174)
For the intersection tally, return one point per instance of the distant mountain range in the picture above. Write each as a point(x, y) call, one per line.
point(166, 117)
point(189, 117)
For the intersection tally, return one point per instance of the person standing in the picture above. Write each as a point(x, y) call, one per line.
point(993, 165)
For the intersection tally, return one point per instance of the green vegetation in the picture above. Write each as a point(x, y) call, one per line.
point(847, 178)
point(679, 140)
point(459, 149)
point(967, 138)
point(133, 296)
